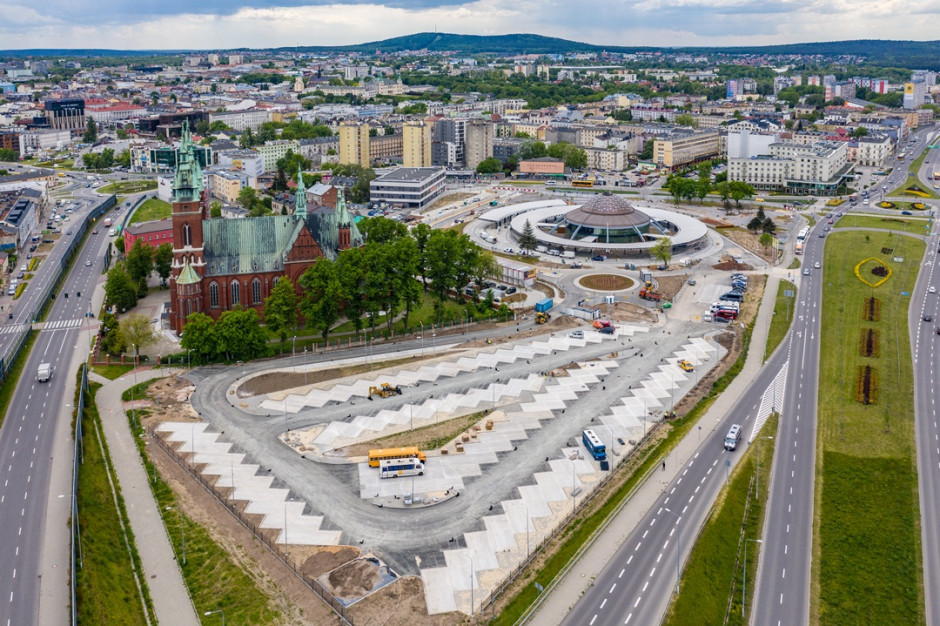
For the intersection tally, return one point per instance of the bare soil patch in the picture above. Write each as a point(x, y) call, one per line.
point(400, 603)
point(426, 438)
point(449, 199)
point(606, 282)
point(732, 266)
point(324, 558)
point(626, 312)
point(354, 579)
point(749, 240)
point(669, 286)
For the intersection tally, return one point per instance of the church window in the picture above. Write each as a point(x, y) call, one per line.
point(214, 295)
point(256, 291)
point(187, 235)
point(234, 293)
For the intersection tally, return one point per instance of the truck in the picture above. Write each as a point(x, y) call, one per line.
point(648, 293)
point(44, 373)
point(107, 222)
point(544, 305)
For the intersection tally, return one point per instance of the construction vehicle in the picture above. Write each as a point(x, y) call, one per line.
point(686, 366)
point(385, 390)
point(668, 415)
point(601, 324)
point(648, 293)
point(541, 318)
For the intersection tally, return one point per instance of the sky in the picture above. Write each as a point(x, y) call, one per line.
point(221, 24)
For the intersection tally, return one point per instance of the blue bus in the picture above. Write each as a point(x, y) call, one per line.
point(594, 445)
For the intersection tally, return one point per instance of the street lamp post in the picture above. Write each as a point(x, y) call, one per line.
point(422, 337)
point(305, 366)
point(469, 556)
point(744, 585)
point(293, 350)
point(678, 543)
point(208, 613)
point(189, 360)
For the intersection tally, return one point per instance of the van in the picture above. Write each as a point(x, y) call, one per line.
point(733, 438)
point(576, 334)
point(734, 296)
point(112, 232)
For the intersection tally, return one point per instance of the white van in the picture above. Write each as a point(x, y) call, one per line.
point(733, 438)
point(112, 232)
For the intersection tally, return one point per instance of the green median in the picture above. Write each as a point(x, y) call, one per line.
point(783, 316)
point(867, 557)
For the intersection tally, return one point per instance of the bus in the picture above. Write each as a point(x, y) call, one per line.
point(393, 468)
point(582, 182)
point(901, 156)
point(594, 445)
point(376, 455)
point(803, 234)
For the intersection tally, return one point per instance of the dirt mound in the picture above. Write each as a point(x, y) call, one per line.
point(327, 558)
point(401, 604)
point(669, 286)
point(626, 312)
point(732, 266)
point(354, 579)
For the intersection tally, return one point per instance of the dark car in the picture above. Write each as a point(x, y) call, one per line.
point(597, 258)
point(906, 213)
point(94, 232)
point(822, 235)
point(928, 317)
point(20, 276)
point(607, 330)
point(510, 291)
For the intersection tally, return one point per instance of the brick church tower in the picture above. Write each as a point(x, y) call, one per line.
point(189, 210)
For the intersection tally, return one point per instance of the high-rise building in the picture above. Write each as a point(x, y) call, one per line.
point(416, 144)
point(448, 142)
point(354, 143)
point(915, 93)
point(65, 114)
point(479, 143)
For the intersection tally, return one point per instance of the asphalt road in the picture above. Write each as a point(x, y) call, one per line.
point(26, 438)
point(636, 585)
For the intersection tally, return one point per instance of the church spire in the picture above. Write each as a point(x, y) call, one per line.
point(300, 206)
point(342, 213)
point(187, 183)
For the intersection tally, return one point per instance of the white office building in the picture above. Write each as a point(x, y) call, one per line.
point(409, 187)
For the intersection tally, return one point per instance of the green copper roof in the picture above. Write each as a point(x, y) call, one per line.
point(188, 275)
point(187, 183)
point(300, 207)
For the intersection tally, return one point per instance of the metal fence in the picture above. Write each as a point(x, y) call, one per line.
point(278, 550)
point(77, 459)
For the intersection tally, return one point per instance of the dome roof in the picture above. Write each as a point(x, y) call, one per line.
point(607, 211)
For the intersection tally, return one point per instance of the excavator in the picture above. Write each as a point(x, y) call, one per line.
point(649, 293)
point(541, 318)
point(384, 391)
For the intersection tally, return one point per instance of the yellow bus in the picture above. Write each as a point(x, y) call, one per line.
point(583, 182)
point(395, 453)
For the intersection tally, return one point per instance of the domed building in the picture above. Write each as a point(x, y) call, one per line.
point(609, 218)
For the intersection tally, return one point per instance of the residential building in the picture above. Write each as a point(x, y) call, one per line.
point(226, 185)
point(606, 159)
point(150, 233)
point(242, 120)
point(479, 143)
point(32, 141)
point(354, 143)
point(10, 140)
point(915, 93)
point(874, 150)
point(322, 194)
point(108, 113)
point(817, 169)
point(685, 147)
point(448, 142)
point(248, 161)
point(416, 144)
point(384, 149)
point(271, 151)
point(744, 143)
point(222, 263)
point(542, 166)
point(409, 187)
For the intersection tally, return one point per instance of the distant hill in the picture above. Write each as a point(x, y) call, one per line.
point(909, 54)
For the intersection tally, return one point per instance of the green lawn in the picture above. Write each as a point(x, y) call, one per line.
point(106, 588)
point(783, 315)
point(867, 537)
point(129, 186)
point(906, 224)
point(714, 573)
point(112, 372)
point(152, 209)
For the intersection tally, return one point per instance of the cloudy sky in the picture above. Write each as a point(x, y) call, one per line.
point(219, 24)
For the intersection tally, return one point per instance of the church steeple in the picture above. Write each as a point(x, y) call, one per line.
point(187, 183)
point(300, 206)
point(342, 213)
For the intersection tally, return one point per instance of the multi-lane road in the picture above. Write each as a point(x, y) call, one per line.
point(27, 436)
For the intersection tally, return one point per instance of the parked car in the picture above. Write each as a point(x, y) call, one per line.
point(598, 257)
point(511, 291)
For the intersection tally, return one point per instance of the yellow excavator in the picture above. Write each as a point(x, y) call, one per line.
point(541, 318)
point(384, 391)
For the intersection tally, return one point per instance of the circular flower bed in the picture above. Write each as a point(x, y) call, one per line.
point(918, 206)
point(887, 205)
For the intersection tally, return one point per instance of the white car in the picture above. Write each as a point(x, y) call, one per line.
point(509, 250)
point(816, 265)
point(931, 289)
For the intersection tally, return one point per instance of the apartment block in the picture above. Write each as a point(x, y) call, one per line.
point(385, 148)
point(874, 150)
point(606, 159)
point(685, 147)
point(416, 144)
point(271, 151)
point(817, 169)
point(354, 143)
point(241, 120)
point(479, 140)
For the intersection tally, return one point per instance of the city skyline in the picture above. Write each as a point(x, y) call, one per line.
point(259, 24)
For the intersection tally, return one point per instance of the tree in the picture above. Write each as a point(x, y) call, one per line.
point(247, 139)
point(239, 335)
point(757, 222)
point(532, 150)
point(769, 227)
point(859, 131)
point(119, 244)
point(280, 308)
point(491, 165)
point(124, 159)
point(163, 261)
point(6, 154)
point(215, 209)
point(91, 132)
point(527, 240)
point(740, 190)
point(663, 250)
point(112, 341)
point(120, 289)
point(686, 119)
point(422, 234)
point(199, 336)
point(647, 153)
point(320, 304)
point(140, 263)
point(138, 332)
point(373, 132)
point(765, 240)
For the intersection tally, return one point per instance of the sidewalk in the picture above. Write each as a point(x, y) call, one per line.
point(171, 600)
point(556, 606)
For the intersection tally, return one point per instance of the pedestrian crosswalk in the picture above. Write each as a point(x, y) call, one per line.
point(56, 325)
point(60, 324)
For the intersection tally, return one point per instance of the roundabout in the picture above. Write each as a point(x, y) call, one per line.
point(606, 282)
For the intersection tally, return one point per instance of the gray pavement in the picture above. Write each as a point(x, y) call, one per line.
point(586, 579)
point(161, 570)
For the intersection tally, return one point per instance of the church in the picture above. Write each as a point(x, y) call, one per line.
point(219, 263)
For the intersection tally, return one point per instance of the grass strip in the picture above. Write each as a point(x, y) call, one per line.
point(783, 316)
point(581, 529)
point(866, 565)
point(214, 579)
point(713, 578)
point(112, 372)
point(909, 225)
point(107, 586)
point(13, 376)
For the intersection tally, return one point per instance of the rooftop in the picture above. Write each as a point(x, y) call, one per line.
point(409, 174)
